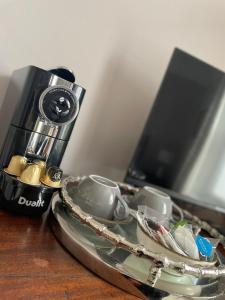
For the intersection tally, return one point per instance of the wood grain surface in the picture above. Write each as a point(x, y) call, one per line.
point(33, 265)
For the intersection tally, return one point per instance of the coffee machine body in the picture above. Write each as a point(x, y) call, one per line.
point(47, 106)
point(45, 114)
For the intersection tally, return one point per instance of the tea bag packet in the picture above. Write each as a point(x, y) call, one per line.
point(184, 237)
point(155, 224)
point(152, 229)
point(206, 246)
point(153, 215)
point(180, 223)
point(171, 242)
point(215, 243)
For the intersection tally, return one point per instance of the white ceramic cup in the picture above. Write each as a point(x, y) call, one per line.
point(156, 200)
point(100, 197)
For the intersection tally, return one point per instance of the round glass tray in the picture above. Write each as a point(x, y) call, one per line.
point(102, 257)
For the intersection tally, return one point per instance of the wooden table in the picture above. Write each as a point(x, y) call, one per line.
point(33, 265)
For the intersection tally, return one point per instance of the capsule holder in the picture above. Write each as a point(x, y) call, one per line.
point(22, 198)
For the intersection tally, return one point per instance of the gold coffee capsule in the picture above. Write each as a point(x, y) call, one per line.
point(16, 166)
point(31, 174)
point(52, 177)
point(42, 165)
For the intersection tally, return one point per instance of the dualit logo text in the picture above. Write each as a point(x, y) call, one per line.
point(24, 201)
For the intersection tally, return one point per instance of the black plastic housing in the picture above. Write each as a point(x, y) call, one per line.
point(22, 198)
point(47, 106)
point(26, 87)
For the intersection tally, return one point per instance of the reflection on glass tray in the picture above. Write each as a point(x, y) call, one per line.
point(120, 267)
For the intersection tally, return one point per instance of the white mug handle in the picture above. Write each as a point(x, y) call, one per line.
point(122, 210)
point(179, 211)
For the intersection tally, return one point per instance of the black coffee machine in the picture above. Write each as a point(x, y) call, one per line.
point(48, 104)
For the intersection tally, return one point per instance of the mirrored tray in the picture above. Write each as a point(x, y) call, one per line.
point(120, 267)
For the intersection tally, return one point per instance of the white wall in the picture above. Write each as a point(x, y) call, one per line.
point(119, 50)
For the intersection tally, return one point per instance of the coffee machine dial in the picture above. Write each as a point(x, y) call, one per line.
point(58, 105)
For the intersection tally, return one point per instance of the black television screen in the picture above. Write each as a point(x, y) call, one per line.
point(182, 145)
